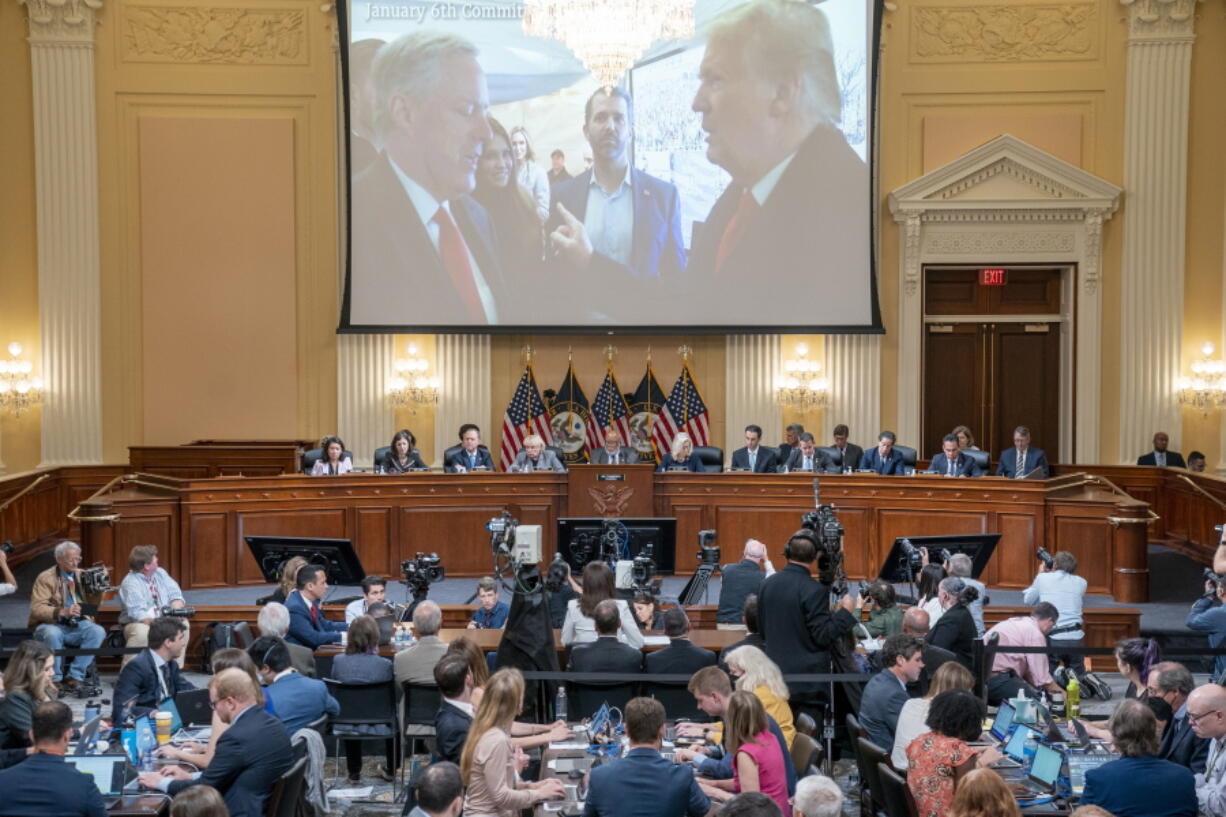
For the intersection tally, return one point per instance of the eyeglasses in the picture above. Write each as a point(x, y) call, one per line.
point(1193, 718)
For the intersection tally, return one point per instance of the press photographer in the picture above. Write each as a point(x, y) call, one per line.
point(1057, 584)
point(145, 593)
point(62, 600)
point(1208, 616)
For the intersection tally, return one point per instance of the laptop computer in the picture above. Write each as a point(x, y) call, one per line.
point(1015, 747)
point(1044, 772)
point(89, 736)
point(1002, 725)
point(1081, 762)
point(110, 773)
point(194, 709)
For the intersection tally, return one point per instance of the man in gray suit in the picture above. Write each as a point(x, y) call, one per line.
point(613, 452)
point(274, 620)
point(416, 664)
point(536, 457)
point(902, 659)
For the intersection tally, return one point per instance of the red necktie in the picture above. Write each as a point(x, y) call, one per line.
point(314, 615)
point(454, 252)
point(735, 230)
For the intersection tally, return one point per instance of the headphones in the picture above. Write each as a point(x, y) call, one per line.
point(804, 533)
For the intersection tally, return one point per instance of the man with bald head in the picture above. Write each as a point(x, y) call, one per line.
point(614, 451)
point(1160, 456)
point(1207, 711)
point(740, 581)
point(915, 622)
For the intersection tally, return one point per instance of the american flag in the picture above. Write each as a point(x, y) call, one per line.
point(525, 415)
point(683, 411)
point(608, 410)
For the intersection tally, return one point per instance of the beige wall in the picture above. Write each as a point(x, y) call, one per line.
point(175, 102)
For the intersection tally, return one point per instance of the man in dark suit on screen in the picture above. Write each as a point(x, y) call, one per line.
point(796, 213)
point(423, 252)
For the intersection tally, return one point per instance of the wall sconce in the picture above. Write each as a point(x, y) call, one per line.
point(410, 387)
point(802, 386)
point(1205, 390)
point(18, 391)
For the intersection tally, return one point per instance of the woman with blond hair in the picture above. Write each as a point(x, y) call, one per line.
point(756, 673)
point(28, 681)
point(488, 761)
point(758, 761)
point(289, 580)
point(536, 457)
point(983, 793)
point(681, 456)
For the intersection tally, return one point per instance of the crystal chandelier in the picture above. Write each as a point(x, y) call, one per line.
point(410, 386)
point(1205, 390)
point(609, 35)
point(803, 387)
point(18, 391)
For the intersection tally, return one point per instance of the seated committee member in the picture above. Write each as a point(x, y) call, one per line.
point(642, 782)
point(753, 456)
point(57, 616)
point(251, 755)
point(491, 614)
point(606, 653)
point(598, 585)
point(274, 621)
point(681, 656)
point(374, 591)
point(807, 457)
point(740, 581)
point(511, 208)
point(883, 459)
point(791, 438)
point(296, 699)
point(1022, 460)
point(44, 785)
point(416, 230)
point(681, 456)
point(403, 454)
point(951, 462)
point(614, 452)
point(1139, 784)
point(307, 625)
point(536, 457)
point(153, 675)
point(850, 454)
point(333, 461)
point(455, 711)
point(1160, 456)
point(472, 456)
point(143, 593)
point(902, 658)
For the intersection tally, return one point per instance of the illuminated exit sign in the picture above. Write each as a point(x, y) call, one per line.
point(992, 277)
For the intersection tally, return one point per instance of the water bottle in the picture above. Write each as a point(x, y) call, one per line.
point(1072, 699)
point(92, 710)
point(127, 737)
point(1028, 749)
point(145, 743)
point(560, 704)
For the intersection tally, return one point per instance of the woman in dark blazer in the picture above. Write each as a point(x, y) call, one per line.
point(362, 664)
point(955, 629)
point(681, 457)
point(28, 682)
point(403, 455)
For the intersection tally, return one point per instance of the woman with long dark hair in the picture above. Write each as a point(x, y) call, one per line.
point(579, 628)
point(27, 682)
point(403, 454)
point(510, 206)
point(333, 461)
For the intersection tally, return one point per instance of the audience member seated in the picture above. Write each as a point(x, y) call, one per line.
point(488, 760)
point(251, 755)
point(850, 454)
point(1208, 616)
point(1172, 682)
point(1140, 784)
point(307, 625)
point(961, 565)
point(1160, 456)
point(817, 796)
point(753, 634)
point(143, 593)
point(606, 653)
point(808, 457)
point(952, 462)
point(472, 456)
point(200, 755)
point(739, 581)
point(8, 582)
point(534, 456)
point(416, 664)
point(759, 760)
point(902, 658)
point(1065, 590)
point(642, 783)
point(915, 622)
point(455, 711)
point(1022, 459)
point(938, 759)
point(1196, 463)
point(296, 699)
point(333, 462)
point(402, 454)
point(1014, 671)
point(153, 675)
point(754, 672)
point(362, 664)
point(681, 457)
point(955, 630)
point(614, 452)
point(791, 439)
point(984, 793)
point(883, 458)
point(289, 580)
point(561, 587)
point(597, 586)
point(374, 591)
point(439, 791)
point(681, 656)
point(647, 612)
point(884, 614)
point(914, 714)
point(27, 683)
point(58, 619)
point(43, 785)
point(199, 801)
point(491, 614)
point(753, 456)
point(1207, 712)
point(274, 621)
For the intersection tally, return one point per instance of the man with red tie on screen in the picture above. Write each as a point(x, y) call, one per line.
point(423, 252)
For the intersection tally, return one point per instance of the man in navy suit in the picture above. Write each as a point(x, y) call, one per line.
point(424, 253)
point(849, 453)
point(251, 755)
point(296, 699)
point(1160, 456)
point(681, 656)
point(153, 675)
point(1139, 784)
point(455, 710)
point(613, 219)
point(807, 457)
point(883, 459)
point(902, 661)
point(1173, 683)
point(642, 783)
point(43, 785)
point(1022, 458)
point(755, 457)
point(606, 653)
point(951, 462)
point(472, 456)
point(307, 625)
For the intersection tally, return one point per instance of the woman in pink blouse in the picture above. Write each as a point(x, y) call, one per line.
point(758, 764)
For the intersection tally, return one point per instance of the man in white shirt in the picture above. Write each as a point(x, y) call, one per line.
point(143, 593)
point(1207, 712)
point(374, 590)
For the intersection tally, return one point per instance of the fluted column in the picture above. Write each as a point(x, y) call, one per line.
point(853, 364)
point(464, 369)
point(751, 368)
point(66, 184)
point(364, 417)
point(1155, 176)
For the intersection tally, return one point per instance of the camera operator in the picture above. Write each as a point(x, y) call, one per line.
point(55, 614)
point(1057, 583)
point(740, 581)
point(1208, 616)
point(795, 615)
point(143, 593)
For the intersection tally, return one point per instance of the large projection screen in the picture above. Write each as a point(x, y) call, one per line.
point(496, 184)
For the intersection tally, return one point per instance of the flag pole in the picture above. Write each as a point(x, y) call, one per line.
point(685, 352)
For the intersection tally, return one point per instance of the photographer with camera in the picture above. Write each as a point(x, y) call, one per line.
point(1057, 583)
point(1208, 616)
point(146, 593)
point(56, 614)
point(740, 581)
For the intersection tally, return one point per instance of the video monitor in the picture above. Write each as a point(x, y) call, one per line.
point(584, 539)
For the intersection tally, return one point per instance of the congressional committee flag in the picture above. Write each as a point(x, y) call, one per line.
point(683, 411)
point(525, 415)
point(645, 407)
point(609, 410)
point(570, 419)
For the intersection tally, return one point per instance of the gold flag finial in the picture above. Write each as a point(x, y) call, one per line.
point(610, 352)
point(685, 351)
point(527, 351)
point(648, 355)
point(570, 354)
